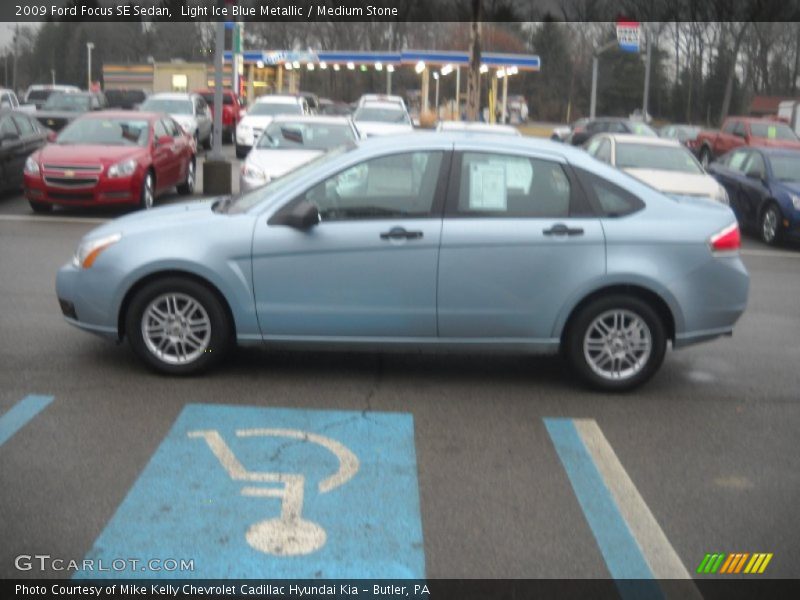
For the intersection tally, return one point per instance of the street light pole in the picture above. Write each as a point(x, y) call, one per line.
point(89, 46)
point(646, 95)
point(436, 103)
point(595, 60)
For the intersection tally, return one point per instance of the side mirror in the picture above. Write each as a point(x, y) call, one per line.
point(164, 140)
point(9, 137)
point(303, 215)
point(755, 174)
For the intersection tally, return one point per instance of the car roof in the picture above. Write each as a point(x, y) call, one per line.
point(124, 114)
point(172, 96)
point(629, 138)
point(322, 119)
point(278, 99)
point(381, 104)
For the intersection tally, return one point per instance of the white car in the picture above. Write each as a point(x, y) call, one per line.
point(477, 126)
point(661, 163)
point(290, 141)
point(189, 110)
point(382, 118)
point(366, 98)
point(261, 113)
point(36, 95)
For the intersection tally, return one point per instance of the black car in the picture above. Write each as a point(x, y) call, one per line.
point(580, 135)
point(126, 99)
point(64, 107)
point(20, 136)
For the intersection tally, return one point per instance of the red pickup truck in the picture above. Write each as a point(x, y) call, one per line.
point(232, 111)
point(743, 131)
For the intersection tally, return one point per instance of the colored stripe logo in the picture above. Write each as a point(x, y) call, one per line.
point(734, 563)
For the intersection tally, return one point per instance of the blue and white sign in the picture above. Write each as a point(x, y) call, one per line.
point(249, 492)
point(628, 35)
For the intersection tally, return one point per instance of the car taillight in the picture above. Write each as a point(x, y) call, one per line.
point(727, 240)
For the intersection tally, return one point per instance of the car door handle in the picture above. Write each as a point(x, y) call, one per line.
point(561, 229)
point(399, 233)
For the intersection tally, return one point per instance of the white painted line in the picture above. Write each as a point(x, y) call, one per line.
point(659, 553)
point(39, 219)
point(770, 253)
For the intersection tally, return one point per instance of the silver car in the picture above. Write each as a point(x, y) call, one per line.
point(189, 110)
point(432, 240)
point(290, 141)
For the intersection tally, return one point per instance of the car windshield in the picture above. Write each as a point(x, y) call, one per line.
point(772, 131)
point(381, 115)
point(304, 136)
point(106, 132)
point(172, 106)
point(663, 158)
point(271, 109)
point(68, 102)
point(227, 99)
point(786, 167)
point(643, 129)
point(686, 133)
point(246, 201)
point(125, 98)
point(39, 95)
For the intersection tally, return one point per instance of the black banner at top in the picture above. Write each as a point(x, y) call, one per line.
point(397, 10)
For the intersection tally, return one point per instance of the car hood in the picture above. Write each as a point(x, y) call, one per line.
point(88, 154)
point(379, 128)
point(173, 216)
point(773, 143)
point(671, 182)
point(793, 187)
point(279, 162)
point(256, 120)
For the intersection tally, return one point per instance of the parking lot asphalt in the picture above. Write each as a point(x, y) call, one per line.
point(709, 445)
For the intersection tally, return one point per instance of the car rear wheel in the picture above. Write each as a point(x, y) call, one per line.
point(616, 343)
point(147, 195)
point(40, 207)
point(770, 225)
point(208, 141)
point(178, 326)
point(241, 151)
point(187, 187)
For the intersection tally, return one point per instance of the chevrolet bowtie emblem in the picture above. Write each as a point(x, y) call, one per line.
point(51, 122)
point(69, 173)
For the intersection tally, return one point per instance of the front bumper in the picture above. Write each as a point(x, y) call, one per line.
point(106, 191)
point(85, 301)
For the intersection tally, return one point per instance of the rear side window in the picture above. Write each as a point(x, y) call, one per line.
point(23, 124)
point(503, 185)
point(729, 127)
point(612, 200)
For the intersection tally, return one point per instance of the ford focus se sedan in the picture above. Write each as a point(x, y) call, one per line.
point(436, 240)
point(111, 158)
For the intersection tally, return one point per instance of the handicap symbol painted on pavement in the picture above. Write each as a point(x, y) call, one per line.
point(250, 492)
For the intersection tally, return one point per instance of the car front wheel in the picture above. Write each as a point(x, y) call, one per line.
point(187, 187)
point(178, 326)
point(770, 224)
point(616, 343)
point(705, 157)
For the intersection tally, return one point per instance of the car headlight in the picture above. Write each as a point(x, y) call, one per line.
point(89, 250)
point(253, 172)
point(722, 195)
point(31, 166)
point(795, 201)
point(123, 169)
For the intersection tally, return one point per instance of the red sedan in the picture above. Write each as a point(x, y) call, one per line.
point(111, 158)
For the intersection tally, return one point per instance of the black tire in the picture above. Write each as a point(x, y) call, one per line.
point(228, 138)
point(769, 224)
point(216, 335)
point(581, 329)
point(241, 151)
point(705, 157)
point(187, 187)
point(147, 195)
point(209, 140)
point(40, 208)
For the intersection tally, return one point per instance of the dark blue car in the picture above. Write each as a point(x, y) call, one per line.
point(763, 185)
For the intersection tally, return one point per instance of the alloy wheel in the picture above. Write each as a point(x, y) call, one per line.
point(617, 344)
point(176, 328)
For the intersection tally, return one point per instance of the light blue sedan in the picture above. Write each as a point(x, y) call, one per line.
point(448, 240)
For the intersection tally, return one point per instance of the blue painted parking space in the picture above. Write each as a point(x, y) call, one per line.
point(253, 492)
point(20, 414)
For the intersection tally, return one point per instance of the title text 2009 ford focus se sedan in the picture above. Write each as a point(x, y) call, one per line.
point(455, 240)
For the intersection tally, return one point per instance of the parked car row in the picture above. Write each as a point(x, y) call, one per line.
point(751, 163)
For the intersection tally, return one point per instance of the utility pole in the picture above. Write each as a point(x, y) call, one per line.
point(646, 95)
point(595, 60)
point(474, 74)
